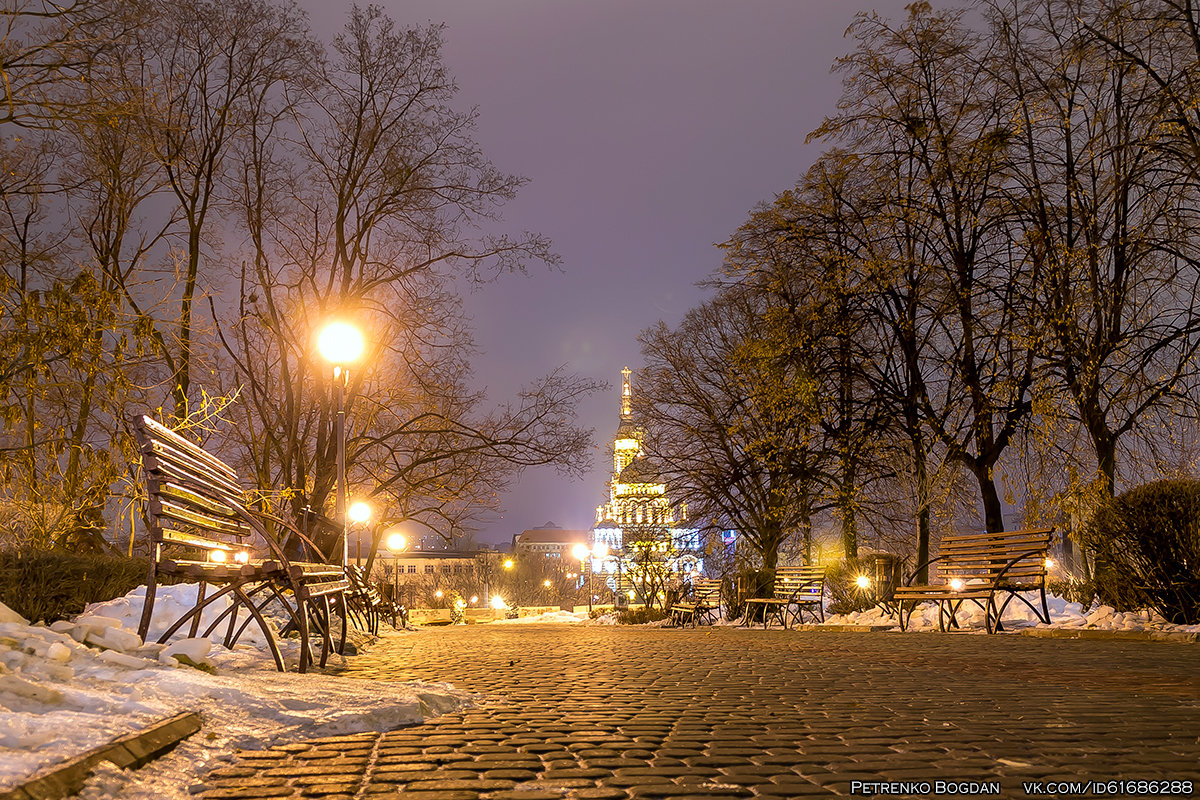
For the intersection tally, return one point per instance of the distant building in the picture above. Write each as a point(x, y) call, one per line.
point(550, 541)
point(639, 518)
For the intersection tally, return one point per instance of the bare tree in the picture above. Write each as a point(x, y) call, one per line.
point(730, 422)
point(362, 195)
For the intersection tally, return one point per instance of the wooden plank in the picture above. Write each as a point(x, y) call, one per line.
point(181, 537)
point(157, 431)
point(172, 511)
point(320, 589)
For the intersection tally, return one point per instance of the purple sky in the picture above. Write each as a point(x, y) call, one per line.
point(648, 129)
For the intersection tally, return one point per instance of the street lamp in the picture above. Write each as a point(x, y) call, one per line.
point(341, 344)
point(395, 545)
point(582, 552)
point(360, 514)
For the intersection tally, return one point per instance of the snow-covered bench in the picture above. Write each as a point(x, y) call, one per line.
point(988, 569)
point(203, 527)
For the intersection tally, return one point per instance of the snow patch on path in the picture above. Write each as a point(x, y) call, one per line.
point(75, 686)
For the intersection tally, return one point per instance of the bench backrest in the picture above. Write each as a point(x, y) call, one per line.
point(194, 499)
point(799, 584)
point(1016, 558)
point(706, 590)
point(359, 584)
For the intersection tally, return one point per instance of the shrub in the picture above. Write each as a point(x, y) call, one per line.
point(49, 585)
point(841, 582)
point(640, 616)
point(1147, 549)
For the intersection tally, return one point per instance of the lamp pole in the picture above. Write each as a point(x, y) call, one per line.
point(341, 344)
point(340, 376)
point(396, 544)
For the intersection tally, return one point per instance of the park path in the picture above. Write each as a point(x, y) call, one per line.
point(630, 712)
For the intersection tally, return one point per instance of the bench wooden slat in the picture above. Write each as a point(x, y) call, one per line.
point(186, 538)
point(320, 589)
point(177, 513)
point(166, 438)
point(158, 458)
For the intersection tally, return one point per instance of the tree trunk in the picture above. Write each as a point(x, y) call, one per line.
point(993, 514)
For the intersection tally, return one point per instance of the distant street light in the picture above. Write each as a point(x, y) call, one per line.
point(341, 344)
point(396, 544)
point(360, 514)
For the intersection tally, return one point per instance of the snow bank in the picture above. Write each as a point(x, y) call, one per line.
point(74, 686)
point(1063, 614)
point(547, 617)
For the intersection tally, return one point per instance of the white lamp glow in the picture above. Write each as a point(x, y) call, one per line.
point(340, 343)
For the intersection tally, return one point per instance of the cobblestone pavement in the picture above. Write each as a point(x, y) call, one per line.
point(619, 712)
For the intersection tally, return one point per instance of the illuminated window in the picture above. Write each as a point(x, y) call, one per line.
point(412, 568)
point(429, 569)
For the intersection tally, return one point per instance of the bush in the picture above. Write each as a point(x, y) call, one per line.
point(1147, 549)
point(844, 592)
point(640, 616)
point(49, 585)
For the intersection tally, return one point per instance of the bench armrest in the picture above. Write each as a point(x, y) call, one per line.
point(912, 575)
point(310, 547)
point(1013, 562)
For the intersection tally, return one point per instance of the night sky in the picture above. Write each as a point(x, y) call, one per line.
point(648, 129)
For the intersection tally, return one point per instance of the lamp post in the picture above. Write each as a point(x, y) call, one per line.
point(582, 552)
point(360, 514)
point(395, 545)
point(341, 344)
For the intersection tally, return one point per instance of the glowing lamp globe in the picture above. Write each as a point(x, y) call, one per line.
point(359, 512)
point(863, 581)
point(340, 343)
point(580, 551)
point(498, 602)
point(396, 541)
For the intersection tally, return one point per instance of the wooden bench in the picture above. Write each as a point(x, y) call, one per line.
point(794, 591)
point(203, 528)
point(704, 601)
point(988, 569)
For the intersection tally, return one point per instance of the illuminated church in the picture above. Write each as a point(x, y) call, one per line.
point(639, 518)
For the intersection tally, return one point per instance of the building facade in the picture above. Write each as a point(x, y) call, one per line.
point(550, 541)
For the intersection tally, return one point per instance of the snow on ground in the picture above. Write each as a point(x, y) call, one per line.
point(1063, 614)
point(74, 686)
point(546, 617)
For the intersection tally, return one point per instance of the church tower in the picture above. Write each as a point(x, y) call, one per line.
point(639, 509)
